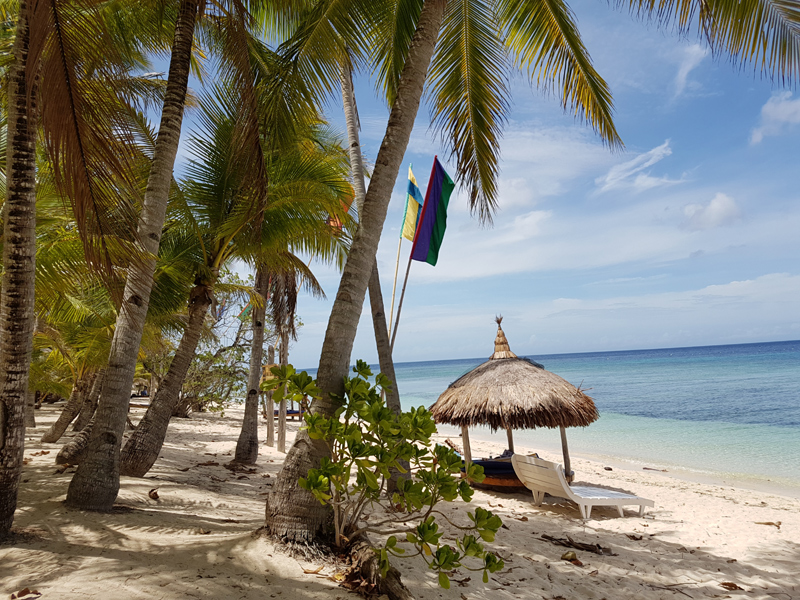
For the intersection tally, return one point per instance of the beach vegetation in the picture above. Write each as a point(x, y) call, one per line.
point(367, 441)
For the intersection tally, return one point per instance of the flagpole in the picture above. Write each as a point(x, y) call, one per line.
point(410, 256)
point(394, 285)
point(400, 304)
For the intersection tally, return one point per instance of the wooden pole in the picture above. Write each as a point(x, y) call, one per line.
point(568, 474)
point(467, 451)
point(394, 285)
point(282, 405)
point(270, 403)
point(510, 440)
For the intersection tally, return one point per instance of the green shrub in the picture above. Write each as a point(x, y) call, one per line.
point(368, 441)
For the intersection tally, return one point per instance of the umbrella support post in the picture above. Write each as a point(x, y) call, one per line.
point(510, 440)
point(467, 451)
point(568, 474)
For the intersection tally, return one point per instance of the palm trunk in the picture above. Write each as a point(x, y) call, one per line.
point(82, 385)
point(292, 513)
point(247, 445)
point(30, 407)
point(19, 251)
point(89, 404)
point(142, 448)
point(73, 451)
point(269, 405)
point(374, 287)
point(96, 482)
point(284, 360)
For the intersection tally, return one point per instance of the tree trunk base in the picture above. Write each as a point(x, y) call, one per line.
point(364, 575)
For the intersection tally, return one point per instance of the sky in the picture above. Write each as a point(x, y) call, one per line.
point(687, 237)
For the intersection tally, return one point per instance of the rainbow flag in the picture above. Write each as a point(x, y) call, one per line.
point(433, 220)
point(413, 202)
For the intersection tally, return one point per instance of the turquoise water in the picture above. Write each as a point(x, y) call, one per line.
point(731, 411)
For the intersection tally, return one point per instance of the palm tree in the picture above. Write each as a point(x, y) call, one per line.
point(220, 199)
point(476, 42)
point(68, 85)
point(96, 482)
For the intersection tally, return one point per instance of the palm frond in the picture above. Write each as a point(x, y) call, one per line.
point(470, 97)
point(544, 38)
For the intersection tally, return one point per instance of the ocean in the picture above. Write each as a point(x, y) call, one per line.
point(729, 413)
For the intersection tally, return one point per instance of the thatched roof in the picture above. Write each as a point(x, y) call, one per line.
point(511, 392)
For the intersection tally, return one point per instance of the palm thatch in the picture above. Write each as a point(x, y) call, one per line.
point(508, 392)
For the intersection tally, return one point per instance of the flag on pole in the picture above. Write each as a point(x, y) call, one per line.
point(413, 202)
point(245, 314)
point(433, 221)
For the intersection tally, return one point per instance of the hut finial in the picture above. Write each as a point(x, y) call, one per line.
point(501, 348)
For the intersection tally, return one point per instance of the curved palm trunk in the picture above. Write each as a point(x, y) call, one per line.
point(96, 482)
point(19, 252)
point(374, 286)
point(247, 444)
point(73, 451)
point(142, 448)
point(292, 513)
point(89, 404)
point(71, 409)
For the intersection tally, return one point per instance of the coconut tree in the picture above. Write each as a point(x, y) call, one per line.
point(478, 42)
point(63, 74)
point(223, 220)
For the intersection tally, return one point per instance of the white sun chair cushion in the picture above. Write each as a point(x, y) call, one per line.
point(542, 476)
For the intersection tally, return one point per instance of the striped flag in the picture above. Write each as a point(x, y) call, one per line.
point(433, 220)
point(413, 202)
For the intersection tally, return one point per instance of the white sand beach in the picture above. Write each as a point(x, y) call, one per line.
point(196, 539)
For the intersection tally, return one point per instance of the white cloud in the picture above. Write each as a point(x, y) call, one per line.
point(777, 115)
point(692, 57)
point(630, 175)
point(722, 210)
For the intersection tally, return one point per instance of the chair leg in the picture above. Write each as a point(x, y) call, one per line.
point(619, 509)
point(588, 511)
point(641, 510)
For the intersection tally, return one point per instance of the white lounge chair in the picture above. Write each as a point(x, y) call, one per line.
point(542, 476)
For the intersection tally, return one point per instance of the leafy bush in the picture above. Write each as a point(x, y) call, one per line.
point(368, 441)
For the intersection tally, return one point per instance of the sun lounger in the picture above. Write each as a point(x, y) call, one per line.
point(542, 476)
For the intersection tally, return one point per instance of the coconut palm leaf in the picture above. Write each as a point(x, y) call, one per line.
point(469, 88)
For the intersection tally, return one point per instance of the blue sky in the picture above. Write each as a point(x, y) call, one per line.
point(687, 237)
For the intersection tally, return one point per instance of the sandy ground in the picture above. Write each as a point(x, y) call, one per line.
point(195, 540)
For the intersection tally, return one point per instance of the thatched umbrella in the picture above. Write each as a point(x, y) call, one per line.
point(508, 392)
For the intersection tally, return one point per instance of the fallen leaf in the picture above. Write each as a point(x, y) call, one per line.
point(312, 571)
point(463, 597)
point(202, 531)
point(230, 521)
point(153, 493)
point(242, 477)
point(731, 560)
point(523, 518)
point(569, 556)
point(184, 469)
point(593, 573)
point(730, 586)
point(576, 562)
point(608, 468)
point(41, 453)
point(635, 538)
point(773, 523)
